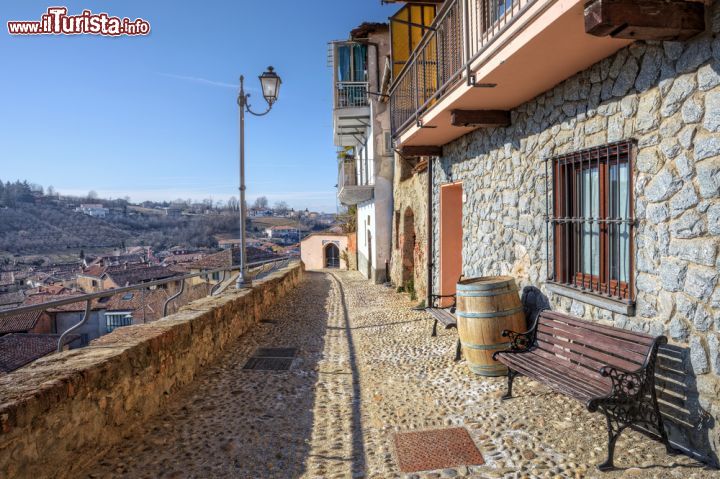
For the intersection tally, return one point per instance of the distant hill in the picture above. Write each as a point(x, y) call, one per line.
point(27, 228)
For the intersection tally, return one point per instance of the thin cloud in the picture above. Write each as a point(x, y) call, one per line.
point(201, 81)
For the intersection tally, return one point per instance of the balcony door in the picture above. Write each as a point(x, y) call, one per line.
point(351, 62)
point(451, 233)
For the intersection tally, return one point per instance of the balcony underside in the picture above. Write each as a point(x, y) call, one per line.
point(352, 195)
point(351, 125)
point(546, 45)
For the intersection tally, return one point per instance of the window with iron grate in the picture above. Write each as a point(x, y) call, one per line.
point(117, 320)
point(590, 216)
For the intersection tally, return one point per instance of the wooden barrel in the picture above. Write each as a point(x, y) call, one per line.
point(485, 307)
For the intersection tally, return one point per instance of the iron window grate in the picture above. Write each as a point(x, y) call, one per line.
point(590, 220)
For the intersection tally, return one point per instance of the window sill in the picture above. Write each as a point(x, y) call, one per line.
point(616, 306)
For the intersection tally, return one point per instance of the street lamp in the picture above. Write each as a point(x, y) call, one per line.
point(270, 82)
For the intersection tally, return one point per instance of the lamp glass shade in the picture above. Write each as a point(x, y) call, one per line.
point(270, 82)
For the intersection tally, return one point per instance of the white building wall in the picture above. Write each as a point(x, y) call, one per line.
point(366, 223)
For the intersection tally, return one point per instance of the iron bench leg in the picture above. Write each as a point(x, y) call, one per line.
point(434, 331)
point(614, 431)
point(511, 377)
point(458, 351)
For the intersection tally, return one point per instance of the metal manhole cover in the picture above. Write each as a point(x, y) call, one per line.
point(269, 364)
point(275, 353)
point(436, 449)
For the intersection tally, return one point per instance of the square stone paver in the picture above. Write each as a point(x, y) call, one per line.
point(436, 449)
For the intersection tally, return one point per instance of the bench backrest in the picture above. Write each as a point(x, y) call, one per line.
point(590, 345)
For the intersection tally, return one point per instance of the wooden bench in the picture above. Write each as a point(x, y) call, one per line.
point(608, 369)
point(446, 316)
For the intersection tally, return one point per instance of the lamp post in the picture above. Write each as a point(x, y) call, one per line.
point(270, 83)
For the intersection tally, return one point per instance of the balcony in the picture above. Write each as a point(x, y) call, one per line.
point(356, 182)
point(489, 56)
point(351, 108)
point(350, 94)
point(351, 115)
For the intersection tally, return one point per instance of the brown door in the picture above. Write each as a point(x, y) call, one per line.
point(451, 234)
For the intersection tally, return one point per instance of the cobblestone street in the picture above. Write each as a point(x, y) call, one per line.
point(366, 367)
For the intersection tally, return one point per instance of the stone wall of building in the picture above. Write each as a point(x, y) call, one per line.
point(60, 413)
point(409, 235)
point(666, 96)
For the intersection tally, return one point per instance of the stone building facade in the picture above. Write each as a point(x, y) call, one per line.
point(666, 97)
point(409, 244)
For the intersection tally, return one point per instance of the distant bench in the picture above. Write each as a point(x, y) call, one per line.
point(532, 299)
point(608, 369)
point(446, 316)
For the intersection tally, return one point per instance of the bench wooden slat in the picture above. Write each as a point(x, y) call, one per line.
point(570, 359)
point(600, 342)
point(632, 336)
point(444, 316)
point(554, 378)
point(630, 361)
point(588, 358)
point(613, 342)
point(593, 358)
point(585, 378)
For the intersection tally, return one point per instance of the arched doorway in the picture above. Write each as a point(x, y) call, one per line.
point(332, 256)
point(408, 247)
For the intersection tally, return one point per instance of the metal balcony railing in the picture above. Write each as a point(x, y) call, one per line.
point(350, 94)
point(460, 33)
point(355, 172)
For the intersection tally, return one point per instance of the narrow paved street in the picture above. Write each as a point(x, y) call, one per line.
point(366, 367)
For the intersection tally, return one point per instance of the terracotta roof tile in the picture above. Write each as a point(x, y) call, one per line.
point(17, 350)
point(227, 258)
point(95, 271)
point(131, 276)
point(19, 323)
point(223, 259)
point(7, 279)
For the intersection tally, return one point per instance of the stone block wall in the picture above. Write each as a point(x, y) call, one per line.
point(60, 413)
point(666, 96)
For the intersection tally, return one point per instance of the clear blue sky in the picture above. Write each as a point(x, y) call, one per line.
point(156, 117)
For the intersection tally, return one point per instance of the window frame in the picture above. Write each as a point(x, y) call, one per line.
point(123, 317)
point(567, 221)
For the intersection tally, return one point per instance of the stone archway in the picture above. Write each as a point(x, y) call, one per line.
point(408, 246)
point(332, 256)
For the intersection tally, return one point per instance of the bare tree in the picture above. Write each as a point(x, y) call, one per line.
point(261, 203)
point(233, 204)
point(51, 190)
point(281, 208)
point(92, 195)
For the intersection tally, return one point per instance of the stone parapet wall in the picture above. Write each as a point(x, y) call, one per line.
point(60, 413)
point(666, 96)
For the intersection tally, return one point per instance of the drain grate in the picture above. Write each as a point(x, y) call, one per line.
point(268, 364)
point(435, 449)
point(271, 359)
point(275, 353)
